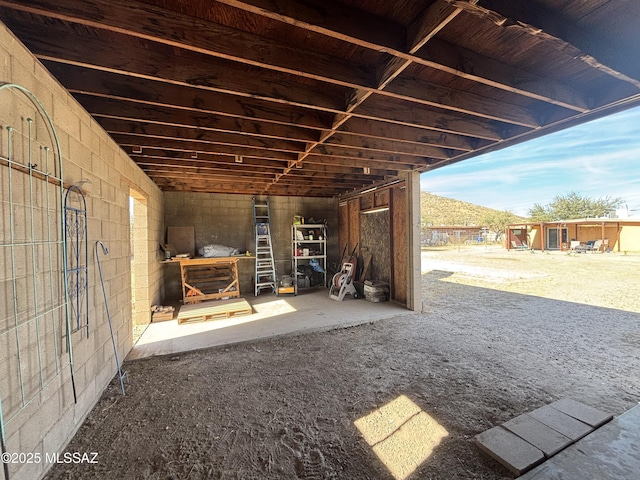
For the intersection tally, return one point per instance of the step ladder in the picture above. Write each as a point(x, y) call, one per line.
point(265, 276)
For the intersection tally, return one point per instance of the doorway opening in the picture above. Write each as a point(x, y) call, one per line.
point(556, 237)
point(139, 240)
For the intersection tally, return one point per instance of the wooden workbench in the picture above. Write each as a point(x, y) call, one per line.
point(208, 278)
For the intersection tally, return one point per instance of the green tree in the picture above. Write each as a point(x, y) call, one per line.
point(573, 206)
point(538, 213)
point(498, 220)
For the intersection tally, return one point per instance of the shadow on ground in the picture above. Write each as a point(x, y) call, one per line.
point(288, 407)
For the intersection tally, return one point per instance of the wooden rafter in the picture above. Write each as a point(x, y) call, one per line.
point(320, 97)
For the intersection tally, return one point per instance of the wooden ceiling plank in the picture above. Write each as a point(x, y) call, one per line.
point(335, 147)
point(177, 68)
point(161, 156)
point(123, 110)
point(157, 93)
point(176, 184)
point(361, 127)
point(188, 69)
point(190, 33)
point(430, 120)
point(168, 157)
point(423, 29)
point(362, 163)
point(330, 18)
point(513, 81)
point(154, 68)
point(341, 139)
point(329, 150)
point(385, 74)
point(134, 128)
point(459, 101)
point(464, 63)
point(531, 17)
point(207, 172)
point(142, 138)
point(198, 177)
point(139, 140)
point(312, 166)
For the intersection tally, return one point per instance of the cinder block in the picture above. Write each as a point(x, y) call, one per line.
point(538, 434)
point(561, 422)
point(86, 400)
point(586, 414)
point(58, 436)
point(41, 421)
point(107, 151)
point(29, 470)
point(507, 448)
point(64, 118)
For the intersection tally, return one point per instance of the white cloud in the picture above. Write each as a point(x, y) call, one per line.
point(597, 159)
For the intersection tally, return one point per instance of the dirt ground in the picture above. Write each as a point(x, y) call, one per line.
point(501, 333)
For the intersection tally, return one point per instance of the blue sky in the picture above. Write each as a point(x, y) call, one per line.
point(600, 158)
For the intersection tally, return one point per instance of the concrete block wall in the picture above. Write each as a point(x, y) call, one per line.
point(227, 219)
point(46, 423)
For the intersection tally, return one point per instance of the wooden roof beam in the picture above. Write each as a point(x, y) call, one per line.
point(361, 127)
point(156, 92)
point(213, 152)
point(345, 23)
point(175, 29)
point(395, 112)
point(136, 19)
point(329, 150)
point(373, 163)
point(129, 130)
point(182, 75)
point(188, 69)
point(163, 156)
point(158, 157)
point(123, 110)
point(478, 68)
point(388, 146)
point(386, 73)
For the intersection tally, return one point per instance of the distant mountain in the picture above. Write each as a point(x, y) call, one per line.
point(437, 210)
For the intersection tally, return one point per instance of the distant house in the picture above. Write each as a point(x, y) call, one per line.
point(455, 235)
point(615, 234)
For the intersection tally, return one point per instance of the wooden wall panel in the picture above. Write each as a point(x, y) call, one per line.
point(381, 198)
point(354, 225)
point(366, 201)
point(343, 227)
point(399, 244)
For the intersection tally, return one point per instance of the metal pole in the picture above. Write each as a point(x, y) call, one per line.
point(105, 250)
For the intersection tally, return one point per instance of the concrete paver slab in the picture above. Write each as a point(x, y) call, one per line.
point(512, 451)
point(561, 422)
point(538, 434)
point(609, 453)
point(580, 411)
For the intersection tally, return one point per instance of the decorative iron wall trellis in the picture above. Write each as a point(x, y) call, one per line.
point(34, 319)
point(77, 258)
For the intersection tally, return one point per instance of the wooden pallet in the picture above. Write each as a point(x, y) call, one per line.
point(213, 310)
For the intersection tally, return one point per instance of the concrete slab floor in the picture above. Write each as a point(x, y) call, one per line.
point(273, 316)
point(610, 453)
